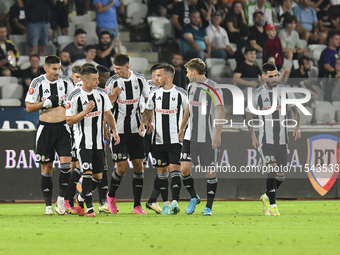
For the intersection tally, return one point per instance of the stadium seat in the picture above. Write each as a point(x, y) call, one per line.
point(11, 90)
point(259, 62)
point(136, 13)
point(160, 29)
point(51, 49)
point(10, 102)
point(23, 59)
point(25, 65)
point(80, 19)
point(302, 44)
point(230, 66)
point(315, 51)
point(218, 71)
point(7, 79)
point(306, 119)
point(211, 62)
point(336, 105)
point(324, 112)
point(20, 42)
point(288, 64)
point(127, 2)
point(122, 48)
point(233, 46)
point(138, 64)
point(64, 40)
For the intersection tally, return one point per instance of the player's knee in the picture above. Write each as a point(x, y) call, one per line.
point(280, 177)
point(162, 170)
point(65, 168)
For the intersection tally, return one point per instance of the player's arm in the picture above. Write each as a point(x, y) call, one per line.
point(100, 8)
point(175, 21)
point(50, 102)
point(216, 140)
point(146, 117)
point(106, 130)
point(239, 81)
point(190, 39)
point(254, 140)
point(115, 94)
point(112, 124)
point(184, 123)
point(296, 132)
point(70, 120)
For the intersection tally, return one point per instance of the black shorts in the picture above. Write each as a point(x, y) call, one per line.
point(59, 16)
point(91, 160)
point(131, 146)
point(273, 154)
point(198, 153)
point(164, 155)
point(147, 147)
point(51, 138)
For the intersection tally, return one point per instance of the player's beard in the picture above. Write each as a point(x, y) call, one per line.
point(271, 84)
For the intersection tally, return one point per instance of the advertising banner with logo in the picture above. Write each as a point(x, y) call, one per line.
point(18, 118)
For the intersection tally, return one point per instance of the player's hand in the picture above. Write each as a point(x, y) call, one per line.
point(150, 128)
point(297, 133)
point(253, 83)
point(181, 135)
point(254, 141)
point(106, 134)
point(141, 130)
point(90, 106)
point(51, 102)
point(216, 142)
point(115, 136)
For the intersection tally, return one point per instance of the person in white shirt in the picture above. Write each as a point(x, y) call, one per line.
point(218, 38)
point(90, 55)
point(259, 5)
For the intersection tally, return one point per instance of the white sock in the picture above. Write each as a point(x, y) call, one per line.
point(265, 196)
point(273, 205)
point(166, 203)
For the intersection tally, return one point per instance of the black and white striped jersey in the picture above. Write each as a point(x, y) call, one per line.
point(203, 99)
point(41, 88)
point(89, 132)
point(126, 110)
point(272, 131)
point(168, 109)
point(142, 99)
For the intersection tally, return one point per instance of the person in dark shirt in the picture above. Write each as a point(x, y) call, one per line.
point(206, 7)
point(17, 18)
point(328, 57)
point(233, 21)
point(247, 74)
point(257, 34)
point(327, 23)
point(242, 43)
point(180, 15)
point(180, 78)
point(105, 49)
point(273, 47)
point(76, 49)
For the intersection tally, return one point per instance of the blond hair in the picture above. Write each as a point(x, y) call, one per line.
point(196, 64)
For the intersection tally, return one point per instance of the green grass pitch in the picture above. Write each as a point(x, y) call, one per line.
point(304, 227)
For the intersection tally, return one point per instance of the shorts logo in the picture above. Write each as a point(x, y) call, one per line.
point(272, 158)
point(31, 91)
point(267, 159)
point(114, 156)
point(185, 156)
point(86, 165)
point(154, 161)
point(37, 157)
point(68, 105)
point(159, 162)
point(120, 156)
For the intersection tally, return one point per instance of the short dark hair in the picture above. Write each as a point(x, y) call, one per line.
point(88, 70)
point(87, 65)
point(248, 49)
point(176, 53)
point(193, 12)
point(196, 64)
point(76, 69)
point(154, 68)
point(289, 19)
point(90, 47)
point(3, 26)
point(33, 55)
point(79, 31)
point(167, 68)
point(52, 59)
point(121, 60)
point(268, 67)
point(102, 69)
point(332, 34)
point(302, 59)
point(256, 13)
point(105, 33)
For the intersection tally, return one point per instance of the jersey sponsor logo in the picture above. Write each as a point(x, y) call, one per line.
point(68, 105)
point(166, 111)
point(277, 107)
point(195, 103)
point(46, 91)
point(93, 114)
point(323, 160)
point(132, 101)
point(31, 91)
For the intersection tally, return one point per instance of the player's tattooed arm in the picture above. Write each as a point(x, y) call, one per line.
point(296, 132)
point(254, 140)
point(146, 121)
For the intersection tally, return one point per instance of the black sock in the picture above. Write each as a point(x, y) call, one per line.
point(64, 178)
point(211, 191)
point(102, 187)
point(87, 190)
point(154, 195)
point(271, 188)
point(188, 182)
point(164, 186)
point(115, 182)
point(279, 180)
point(46, 187)
point(175, 184)
point(137, 186)
point(94, 183)
point(72, 186)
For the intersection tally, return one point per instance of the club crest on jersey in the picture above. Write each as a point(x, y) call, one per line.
point(60, 88)
point(267, 159)
point(323, 159)
point(98, 100)
point(173, 99)
point(136, 87)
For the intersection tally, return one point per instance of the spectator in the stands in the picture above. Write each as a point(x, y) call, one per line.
point(206, 8)
point(308, 26)
point(233, 21)
point(281, 11)
point(106, 17)
point(257, 34)
point(82, 6)
point(218, 38)
point(259, 6)
point(38, 16)
point(106, 50)
point(195, 43)
point(76, 49)
point(90, 55)
point(33, 71)
point(9, 54)
point(76, 74)
point(334, 8)
point(272, 47)
point(17, 18)
point(4, 12)
point(59, 18)
point(180, 78)
point(289, 38)
point(242, 43)
point(320, 5)
point(328, 23)
point(247, 74)
point(66, 69)
point(161, 8)
point(181, 15)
